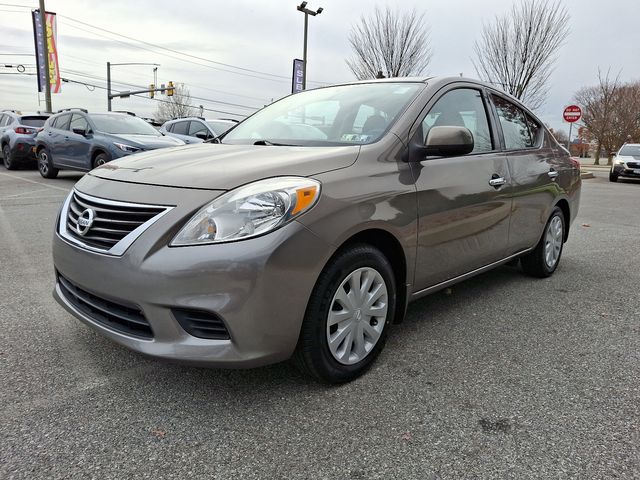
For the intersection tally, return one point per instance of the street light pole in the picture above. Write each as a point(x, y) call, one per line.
point(303, 8)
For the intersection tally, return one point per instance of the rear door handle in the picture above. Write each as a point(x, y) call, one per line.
point(553, 173)
point(497, 181)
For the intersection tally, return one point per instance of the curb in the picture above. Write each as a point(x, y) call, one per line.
point(586, 175)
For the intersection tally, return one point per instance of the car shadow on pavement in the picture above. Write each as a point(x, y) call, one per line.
point(122, 365)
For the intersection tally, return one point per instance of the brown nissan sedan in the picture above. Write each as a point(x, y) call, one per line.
point(308, 228)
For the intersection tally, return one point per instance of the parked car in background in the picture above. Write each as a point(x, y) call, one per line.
point(626, 163)
point(18, 137)
point(75, 139)
point(196, 129)
point(309, 228)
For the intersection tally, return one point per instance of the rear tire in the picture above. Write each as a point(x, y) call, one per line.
point(348, 315)
point(613, 177)
point(8, 162)
point(45, 164)
point(544, 259)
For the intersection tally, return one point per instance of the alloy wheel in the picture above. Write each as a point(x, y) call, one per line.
point(43, 162)
point(357, 315)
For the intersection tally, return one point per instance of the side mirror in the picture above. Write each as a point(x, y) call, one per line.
point(202, 135)
point(448, 141)
point(80, 131)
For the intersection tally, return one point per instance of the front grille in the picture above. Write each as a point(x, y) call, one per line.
point(633, 164)
point(127, 319)
point(112, 221)
point(201, 324)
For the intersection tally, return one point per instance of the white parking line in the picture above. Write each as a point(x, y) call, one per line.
point(33, 181)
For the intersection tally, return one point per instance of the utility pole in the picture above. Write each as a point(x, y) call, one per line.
point(303, 8)
point(47, 84)
point(108, 86)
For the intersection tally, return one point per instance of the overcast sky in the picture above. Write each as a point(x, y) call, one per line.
point(266, 36)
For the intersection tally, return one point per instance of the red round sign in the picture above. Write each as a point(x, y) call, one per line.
point(572, 113)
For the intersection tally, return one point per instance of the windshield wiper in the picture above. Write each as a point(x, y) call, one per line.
point(268, 143)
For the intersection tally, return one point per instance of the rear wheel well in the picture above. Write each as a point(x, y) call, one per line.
point(391, 248)
point(566, 212)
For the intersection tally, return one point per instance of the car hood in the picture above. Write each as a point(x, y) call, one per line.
point(148, 142)
point(223, 167)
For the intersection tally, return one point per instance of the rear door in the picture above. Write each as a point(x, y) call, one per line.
point(533, 172)
point(463, 219)
point(57, 139)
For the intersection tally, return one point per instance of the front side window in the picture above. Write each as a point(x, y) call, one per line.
point(78, 122)
point(462, 107)
point(514, 125)
point(343, 115)
point(197, 127)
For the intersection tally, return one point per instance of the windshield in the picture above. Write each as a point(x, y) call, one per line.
point(630, 150)
point(220, 127)
point(343, 115)
point(122, 124)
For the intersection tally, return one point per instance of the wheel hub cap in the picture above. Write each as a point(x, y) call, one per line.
point(553, 242)
point(357, 315)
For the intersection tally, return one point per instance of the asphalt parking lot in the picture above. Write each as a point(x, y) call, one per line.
point(503, 376)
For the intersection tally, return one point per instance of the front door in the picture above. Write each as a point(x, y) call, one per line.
point(463, 220)
point(78, 145)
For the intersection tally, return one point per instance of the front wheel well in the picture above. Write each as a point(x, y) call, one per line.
point(392, 249)
point(566, 212)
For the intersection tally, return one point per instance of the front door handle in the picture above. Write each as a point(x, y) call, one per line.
point(497, 181)
point(553, 173)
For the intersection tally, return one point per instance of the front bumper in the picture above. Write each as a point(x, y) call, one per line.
point(623, 170)
point(258, 287)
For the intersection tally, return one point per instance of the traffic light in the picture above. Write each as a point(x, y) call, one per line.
point(170, 89)
point(152, 90)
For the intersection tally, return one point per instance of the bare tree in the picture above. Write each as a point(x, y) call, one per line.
point(518, 50)
point(178, 105)
point(598, 105)
point(391, 42)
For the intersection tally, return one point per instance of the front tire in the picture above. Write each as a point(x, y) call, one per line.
point(101, 159)
point(544, 259)
point(8, 162)
point(45, 164)
point(613, 177)
point(348, 316)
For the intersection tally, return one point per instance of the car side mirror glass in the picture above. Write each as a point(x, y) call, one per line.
point(80, 131)
point(448, 141)
point(202, 135)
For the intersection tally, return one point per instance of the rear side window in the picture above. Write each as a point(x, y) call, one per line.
point(3, 120)
point(180, 128)
point(462, 107)
point(8, 120)
point(62, 122)
point(515, 127)
point(33, 121)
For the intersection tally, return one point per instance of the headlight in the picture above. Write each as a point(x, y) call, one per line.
point(126, 148)
point(250, 210)
point(618, 160)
